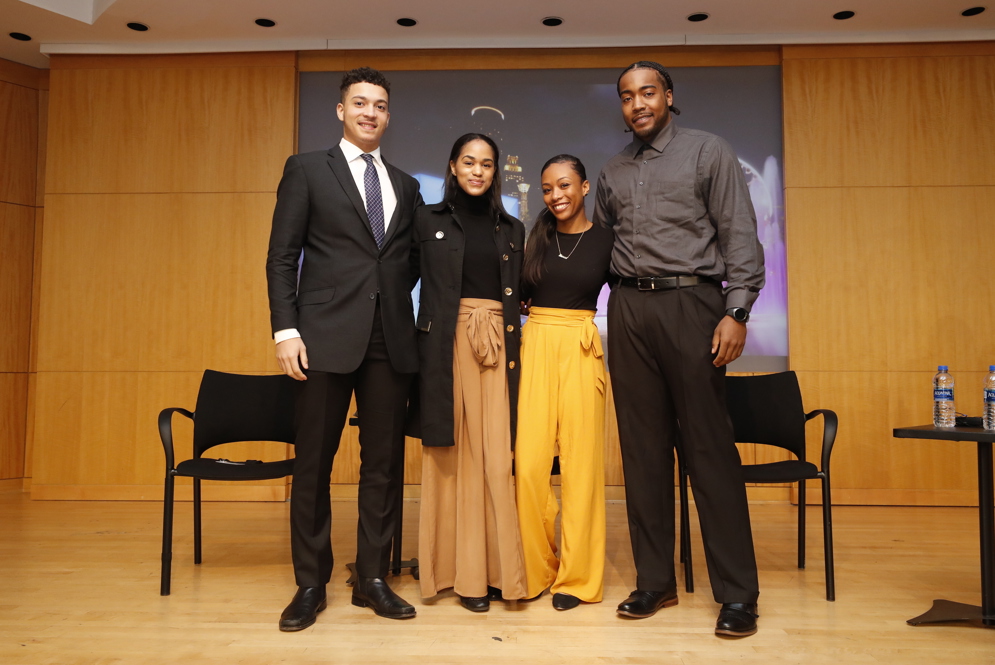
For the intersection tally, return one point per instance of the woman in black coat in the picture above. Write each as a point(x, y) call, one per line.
point(470, 258)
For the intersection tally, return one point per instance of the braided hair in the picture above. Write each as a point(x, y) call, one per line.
point(658, 68)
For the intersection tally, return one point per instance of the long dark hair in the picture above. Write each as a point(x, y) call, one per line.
point(452, 186)
point(545, 226)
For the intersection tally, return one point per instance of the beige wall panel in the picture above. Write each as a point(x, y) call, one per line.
point(13, 420)
point(870, 405)
point(22, 75)
point(170, 130)
point(909, 50)
point(845, 262)
point(155, 283)
point(863, 264)
point(847, 122)
point(99, 428)
point(42, 147)
point(954, 121)
point(16, 258)
point(18, 143)
point(541, 58)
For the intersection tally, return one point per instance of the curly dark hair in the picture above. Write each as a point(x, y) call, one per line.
point(364, 75)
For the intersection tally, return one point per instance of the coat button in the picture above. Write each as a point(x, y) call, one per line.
point(512, 245)
point(373, 296)
point(511, 365)
point(507, 291)
point(510, 328)
point(505, 257)
point(497, 228)
point(440, 235)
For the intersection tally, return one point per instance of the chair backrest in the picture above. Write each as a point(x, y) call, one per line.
point(240, 407)
point(768, 409)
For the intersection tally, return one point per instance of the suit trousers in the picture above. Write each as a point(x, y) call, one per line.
point(322, 407)
point(665, 386)
point(563, 410)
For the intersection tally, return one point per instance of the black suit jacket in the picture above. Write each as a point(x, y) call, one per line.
point(319, 210)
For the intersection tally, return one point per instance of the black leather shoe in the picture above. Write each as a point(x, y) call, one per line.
point(737, 620)
point(564, 601)
point(494, 593)
point(303, 609)
point(643, 604)
point(374, 592)
point(481, 604)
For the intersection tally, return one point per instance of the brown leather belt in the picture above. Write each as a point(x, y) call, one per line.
point(664, 283)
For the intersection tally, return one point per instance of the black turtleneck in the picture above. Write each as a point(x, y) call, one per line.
point(481, 264)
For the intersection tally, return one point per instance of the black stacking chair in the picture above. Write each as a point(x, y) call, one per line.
point(230, 408)
point(767, 409)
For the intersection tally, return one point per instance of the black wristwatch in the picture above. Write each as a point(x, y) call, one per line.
point(739, 314)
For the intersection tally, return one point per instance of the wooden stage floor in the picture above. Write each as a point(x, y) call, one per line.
point(79, 583)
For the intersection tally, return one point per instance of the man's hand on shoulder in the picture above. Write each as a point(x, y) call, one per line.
point(728, 341)
point(292, 356)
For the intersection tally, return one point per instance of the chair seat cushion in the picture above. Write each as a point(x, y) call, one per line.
point(212, 469)
point(787, 471)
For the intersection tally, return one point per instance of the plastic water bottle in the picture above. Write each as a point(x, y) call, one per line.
point(989, 412)
point(944, 412)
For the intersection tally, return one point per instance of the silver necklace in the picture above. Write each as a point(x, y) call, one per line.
point(560, 251)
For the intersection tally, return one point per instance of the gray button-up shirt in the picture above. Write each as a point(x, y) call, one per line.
point(680, 206)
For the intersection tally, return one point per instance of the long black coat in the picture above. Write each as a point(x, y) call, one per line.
point(439, 242)
point(319, 210)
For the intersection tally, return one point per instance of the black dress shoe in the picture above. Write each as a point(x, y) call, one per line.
point(737, 620)
point(374, 592)
point(303, 609)
point(564, 601)
point(481, 604)
point(643, 604)
point(494, 593)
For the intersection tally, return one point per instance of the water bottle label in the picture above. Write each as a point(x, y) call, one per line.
point(943, 394)
point(989, 396)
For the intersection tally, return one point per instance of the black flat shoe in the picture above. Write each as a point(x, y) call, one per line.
point(643, 604)
point(494, 593)
point(481, 604)
point(373, 592)
point(303, 609)
point(737, 620)
point(564, 601)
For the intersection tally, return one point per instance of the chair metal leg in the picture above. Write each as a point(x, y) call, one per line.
point(801, 523)
point(685, 537)
point(167, 535)
point(196, 520)
point(827, 534)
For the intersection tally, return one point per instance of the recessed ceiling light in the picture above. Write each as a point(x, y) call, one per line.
point(20, 36)
point(697, 17)
point(265, 22)
point(552, 21)
point(973, 11)
point(842, 16)
point(407, 22)
point(138, 27)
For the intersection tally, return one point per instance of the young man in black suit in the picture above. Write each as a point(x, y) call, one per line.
point(346, 326)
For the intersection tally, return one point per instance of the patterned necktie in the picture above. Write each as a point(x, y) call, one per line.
point(374, 199)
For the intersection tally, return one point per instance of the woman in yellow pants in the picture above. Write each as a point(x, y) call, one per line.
point(562, 394)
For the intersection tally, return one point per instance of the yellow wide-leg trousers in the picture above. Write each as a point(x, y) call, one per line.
point(561, 406)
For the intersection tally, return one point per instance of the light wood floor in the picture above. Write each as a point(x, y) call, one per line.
point(79, 584)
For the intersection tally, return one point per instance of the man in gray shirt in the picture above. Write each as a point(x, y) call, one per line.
point(684, 223)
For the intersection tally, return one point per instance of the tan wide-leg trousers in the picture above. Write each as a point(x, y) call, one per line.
point(562, 404)
point(468, 534)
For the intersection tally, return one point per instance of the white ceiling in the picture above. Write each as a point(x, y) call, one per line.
point(191, 26)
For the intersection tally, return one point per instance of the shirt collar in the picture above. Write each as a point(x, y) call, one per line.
point(351, 152)
point(658, 143)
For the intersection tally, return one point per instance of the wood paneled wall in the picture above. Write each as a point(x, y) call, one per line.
point(23, 102)
point(890, 179)
point(161, 181)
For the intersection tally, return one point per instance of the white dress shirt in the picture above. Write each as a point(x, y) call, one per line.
point(357, 165)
